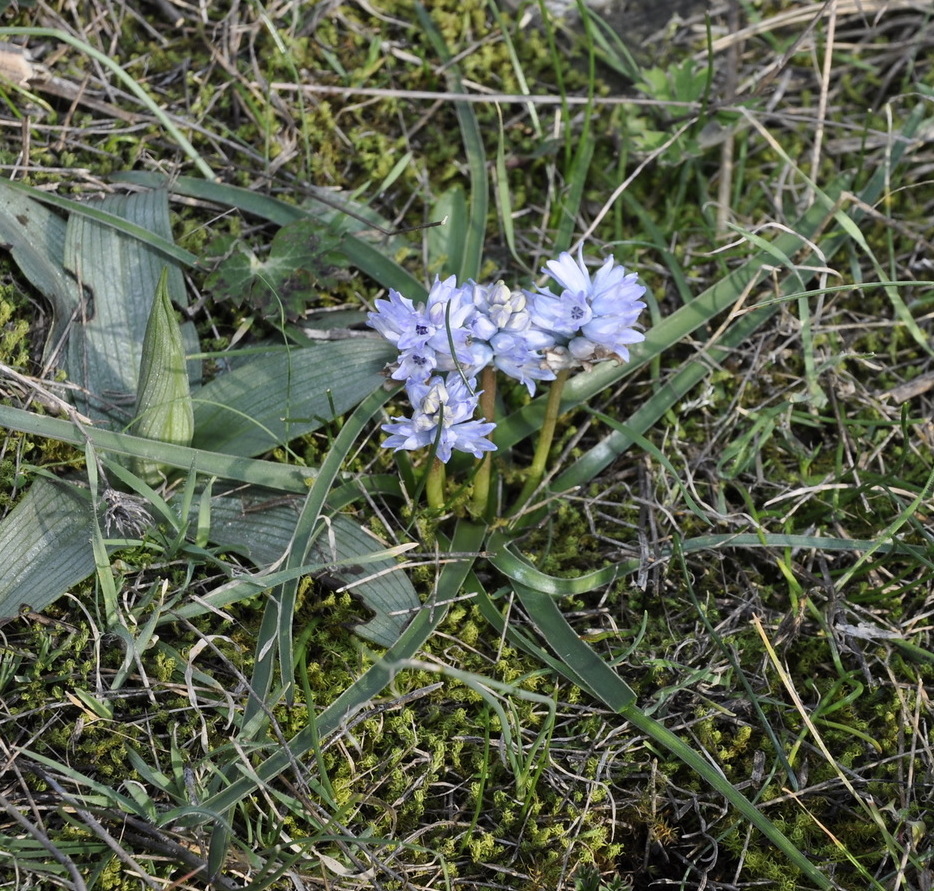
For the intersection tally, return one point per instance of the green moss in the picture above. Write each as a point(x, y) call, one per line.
point(14, 328)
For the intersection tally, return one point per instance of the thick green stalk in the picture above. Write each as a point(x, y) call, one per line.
point(434, 485)
point(484, 476)
point(537, 470)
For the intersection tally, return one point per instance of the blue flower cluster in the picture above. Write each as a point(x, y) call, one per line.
point(444, 410)
point(528, 335)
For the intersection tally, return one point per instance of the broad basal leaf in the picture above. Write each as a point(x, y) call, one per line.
point(101, 284)
point(46, 546)
point(35, 236)
point(285, 393)
point(119, 275)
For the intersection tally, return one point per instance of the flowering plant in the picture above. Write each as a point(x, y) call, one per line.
point(471, 330)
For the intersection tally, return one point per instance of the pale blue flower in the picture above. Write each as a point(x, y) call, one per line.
point(499, 309)
point(417, 363)
point(398, 320)
point(593, 316)
point(607, 337)
point(504, 320)
point(528, 336)
point(450, 311)
point(561, 315)
point(519, 354)
point(443, 410)
point(436, 336)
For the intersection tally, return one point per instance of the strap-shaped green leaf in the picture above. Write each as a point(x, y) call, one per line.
point(583, 666)
point(373, 259)
point(285, 477)
point(471, 256)
point(468, 538)
point(260, 525)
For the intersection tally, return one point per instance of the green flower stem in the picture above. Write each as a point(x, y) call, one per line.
point(434, 485)
point(484, 476)
point(537, 471)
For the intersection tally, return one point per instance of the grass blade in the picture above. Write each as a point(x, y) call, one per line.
point(726, 293)
point(284, 477)
point(274, 639)
point(479, 193)
point(366, 256)
point(524, 573)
